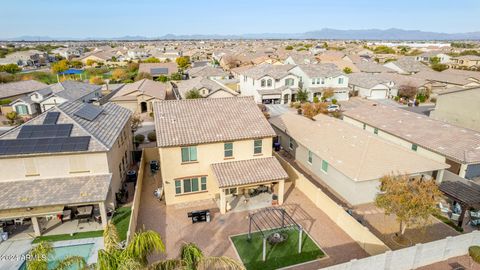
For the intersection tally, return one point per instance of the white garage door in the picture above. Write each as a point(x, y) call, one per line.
point(341, 96)
point(378, 94)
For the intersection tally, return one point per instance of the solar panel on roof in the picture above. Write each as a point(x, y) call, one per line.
point(45, 131)
point(51, 118)
point(89, 112)
point(157, 71)
point(44, 145)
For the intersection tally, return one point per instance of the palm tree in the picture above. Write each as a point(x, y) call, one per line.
point(302, 95)
point(39, 255)
point(145, 243)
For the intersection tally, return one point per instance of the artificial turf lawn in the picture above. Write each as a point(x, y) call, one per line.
point(279, 255)
point(121, 219)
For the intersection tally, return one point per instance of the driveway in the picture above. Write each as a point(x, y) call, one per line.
point(213, 238)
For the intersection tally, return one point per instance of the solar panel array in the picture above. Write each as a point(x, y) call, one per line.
point(51, 118)
point(89, 112)
point(45, 131)
point(44, 145)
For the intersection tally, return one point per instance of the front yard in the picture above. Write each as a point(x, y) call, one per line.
point(279, 255)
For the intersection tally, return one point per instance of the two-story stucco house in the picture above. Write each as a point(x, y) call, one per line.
point(216, 149)
point(72, 156)
point(316, 78)
point(269, 84)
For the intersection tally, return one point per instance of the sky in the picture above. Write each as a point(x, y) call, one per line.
point(109, 18)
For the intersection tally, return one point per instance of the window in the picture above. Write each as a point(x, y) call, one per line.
point(21, 109)
point(228, 150)
point(290, 143)
point(269, 83)
point(190, 185)
point(310, 157)
point(313, 81)
point(189, 154)
point(323, 81)
point(414, 147)
point(375, 131)
point(324, 166)
point(231, 191)
point(257, 146)
point(289, 82)
point(340, 80)
point(262, 83)
point(364, 126)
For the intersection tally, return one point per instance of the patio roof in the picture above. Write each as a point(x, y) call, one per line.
point(54, 191)
point(462, 190)
point(250, 171)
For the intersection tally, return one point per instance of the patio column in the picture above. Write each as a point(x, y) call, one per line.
point(223, 201)
point(103, 214)
point(440, 176)
point(281, 191)
point(36, 226)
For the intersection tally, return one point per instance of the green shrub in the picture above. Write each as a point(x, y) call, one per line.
point(397, 98)
point(474, 252)
point(315, 99)
point(334, 101)
point(5, 101)
point(152, 136)
point(140, 138)
point(421, 97)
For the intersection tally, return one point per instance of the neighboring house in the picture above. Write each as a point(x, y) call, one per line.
point(139, 96)
point(449, 78)
point(427, 56)
point(14, 90)
point(74, 155)
point(55, 94)
point(406, 65)
point(459, 107)
point(348, 160)
point(208, 72)
point(25, 58)
point(466, 61)
point(316, 78)
point(269, 84)
point(213, 149)
point(456, 146)
point(135, 54)
point(158, 69)
point(300, 59)
point(208, 88)
point(371, 86)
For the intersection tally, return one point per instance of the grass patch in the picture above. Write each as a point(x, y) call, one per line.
point(63, 237)
point(449, 222)
point(121, 219)
point(278, 256)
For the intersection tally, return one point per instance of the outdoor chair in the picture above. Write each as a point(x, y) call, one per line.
point(443, 209)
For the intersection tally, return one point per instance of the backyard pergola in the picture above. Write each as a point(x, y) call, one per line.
point(273, 220)
point(70, 72)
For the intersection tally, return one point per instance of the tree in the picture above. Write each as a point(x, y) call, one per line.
point(439, 67)
point(91, 62)
point(76, 64)
point(289, 48)
point(151, 60)
point(162, 78)
point(407, 91)
point(40, 254)
point(347, 70)
point(143, 75)
point(382, 49)
point(97, 80)
point(132, 67)
point(328, 93)
point(10, 68)
point(193, 94)
point(176, 76)
point(434, 60)
point(312, 109)
point(60, 66)
point(411, 199)
point(119, 74)
point(183, 62)
point(11, 117)
point(302, 95)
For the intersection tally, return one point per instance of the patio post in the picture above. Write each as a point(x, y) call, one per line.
point(264, 255)
point(440, 175)
point(36, 226)
point(281, 191)
point(223, 202)
point(103, 214)
point(300, 232)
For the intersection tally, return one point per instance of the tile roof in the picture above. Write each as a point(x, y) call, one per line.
point(354, 152)
point(73, 90)
point(321, 70)
point(457, 143)
point(54, 191)
point(145, 86)
point(207, 71)
point(197, 121)
point(366, 80)
point(147, 67)
point(19, 88)
point(275, 71)
point(409, 64)
point(201, 82)
point(250, 171)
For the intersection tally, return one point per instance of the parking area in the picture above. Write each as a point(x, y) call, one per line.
point(213, 238)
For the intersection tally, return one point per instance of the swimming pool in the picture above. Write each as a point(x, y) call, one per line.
point(84, 250)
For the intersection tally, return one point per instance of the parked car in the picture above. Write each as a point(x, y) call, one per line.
point(333, 108)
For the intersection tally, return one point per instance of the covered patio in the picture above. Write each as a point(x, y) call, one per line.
point(250, 184)
point(46, 205)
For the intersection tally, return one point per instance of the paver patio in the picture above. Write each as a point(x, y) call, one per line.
point(213, 238)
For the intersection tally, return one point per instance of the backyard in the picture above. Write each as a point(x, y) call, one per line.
point(279, 255)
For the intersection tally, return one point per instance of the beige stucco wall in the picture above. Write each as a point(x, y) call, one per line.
point(460, 108)
point(131, 105)
point(207, 154)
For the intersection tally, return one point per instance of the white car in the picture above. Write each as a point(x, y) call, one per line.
point(333, 108)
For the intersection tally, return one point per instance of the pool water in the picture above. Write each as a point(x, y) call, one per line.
point(63, 252)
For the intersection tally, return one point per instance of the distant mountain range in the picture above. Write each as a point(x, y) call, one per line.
point(325, 33)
